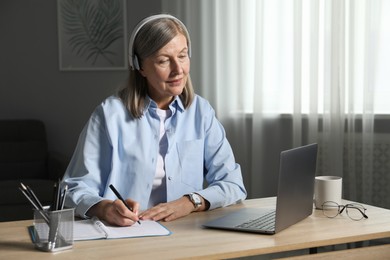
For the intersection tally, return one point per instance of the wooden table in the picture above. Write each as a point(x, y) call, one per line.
point(190, 240)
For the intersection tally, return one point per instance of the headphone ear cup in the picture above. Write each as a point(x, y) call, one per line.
point(136, 63)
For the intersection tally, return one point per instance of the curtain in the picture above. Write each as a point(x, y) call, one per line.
point(283, 73)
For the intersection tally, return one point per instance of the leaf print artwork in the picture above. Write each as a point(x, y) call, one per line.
point(92, 28)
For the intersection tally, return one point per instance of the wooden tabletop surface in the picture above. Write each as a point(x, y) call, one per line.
point(190, 240)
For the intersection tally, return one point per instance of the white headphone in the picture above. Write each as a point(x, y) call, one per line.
point(133, 59)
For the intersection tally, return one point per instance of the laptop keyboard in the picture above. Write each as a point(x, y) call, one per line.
point(265, 222)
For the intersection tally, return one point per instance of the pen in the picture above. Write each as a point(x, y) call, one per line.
point(58, 195)
point(34, 203)
point(63, 196)
point(32, 195)
point(120, 197)
point(53, 206)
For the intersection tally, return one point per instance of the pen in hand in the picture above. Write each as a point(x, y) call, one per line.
point(120, 197)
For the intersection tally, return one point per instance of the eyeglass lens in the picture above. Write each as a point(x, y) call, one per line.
point(355, 211)
point(330, 209)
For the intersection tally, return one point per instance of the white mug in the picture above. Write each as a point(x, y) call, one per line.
point(327, 188)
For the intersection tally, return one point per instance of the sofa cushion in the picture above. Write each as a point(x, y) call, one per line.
point(23, 150)
point(23, 160)
point(15, 206)
point(10, 193)
point(20, 130)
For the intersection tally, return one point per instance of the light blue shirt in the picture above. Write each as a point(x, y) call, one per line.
point(115, 148)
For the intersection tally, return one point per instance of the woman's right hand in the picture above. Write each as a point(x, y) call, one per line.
point(115, 212)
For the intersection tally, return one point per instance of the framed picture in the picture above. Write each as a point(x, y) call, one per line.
point(92, 35)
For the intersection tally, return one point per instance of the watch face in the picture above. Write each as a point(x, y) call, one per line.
point(197, 199)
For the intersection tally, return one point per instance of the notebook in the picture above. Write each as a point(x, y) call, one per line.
point(89, 229)
point(294, 197)
point(96, 229)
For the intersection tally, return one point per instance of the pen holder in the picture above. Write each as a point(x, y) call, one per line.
point(53, 230)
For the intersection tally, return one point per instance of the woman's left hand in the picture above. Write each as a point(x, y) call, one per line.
point(169, 211)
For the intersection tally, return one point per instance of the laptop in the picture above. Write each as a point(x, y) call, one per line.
point(294, 197)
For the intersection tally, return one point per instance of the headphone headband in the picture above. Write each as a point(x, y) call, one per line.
point(133, 59)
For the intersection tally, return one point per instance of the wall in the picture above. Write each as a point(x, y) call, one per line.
point(31, 85)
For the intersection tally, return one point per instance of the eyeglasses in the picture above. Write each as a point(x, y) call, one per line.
point(354, 210)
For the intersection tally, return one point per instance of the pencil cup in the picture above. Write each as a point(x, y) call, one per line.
point(53, 230)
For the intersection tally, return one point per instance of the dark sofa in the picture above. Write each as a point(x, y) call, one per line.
point(24, 157)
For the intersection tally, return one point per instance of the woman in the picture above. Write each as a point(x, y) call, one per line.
point(156, 141)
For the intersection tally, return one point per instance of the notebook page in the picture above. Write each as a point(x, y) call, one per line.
point(89, 229)
point(145, 229)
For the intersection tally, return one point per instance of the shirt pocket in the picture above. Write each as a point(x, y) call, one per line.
point(191, 155)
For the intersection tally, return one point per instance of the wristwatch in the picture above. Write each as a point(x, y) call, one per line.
point(195, 199)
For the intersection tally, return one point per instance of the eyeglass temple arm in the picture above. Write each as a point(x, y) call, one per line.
point(343, 207)
point(364, 214)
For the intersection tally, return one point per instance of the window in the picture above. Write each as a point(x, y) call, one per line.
point(318, 53)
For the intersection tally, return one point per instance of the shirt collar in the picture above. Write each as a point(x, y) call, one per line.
point(176, 104)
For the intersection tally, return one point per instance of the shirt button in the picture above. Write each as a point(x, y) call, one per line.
point(170, 178)
point(152, 160)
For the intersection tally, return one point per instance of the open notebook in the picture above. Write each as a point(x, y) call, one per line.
point(89, 229)
point(95, 229)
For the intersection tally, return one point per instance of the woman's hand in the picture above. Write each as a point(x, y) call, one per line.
point(115, 212)
point(171, 210)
